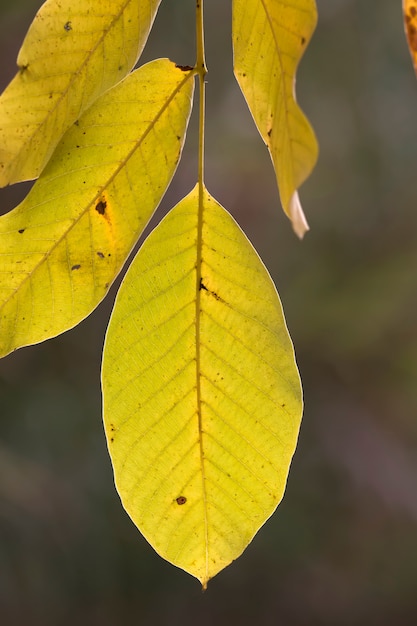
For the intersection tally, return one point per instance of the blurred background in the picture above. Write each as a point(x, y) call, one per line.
point(342, 547)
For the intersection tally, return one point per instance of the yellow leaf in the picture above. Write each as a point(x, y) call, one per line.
point(269, 38)
point(202, 398)
point(64, 244)
point(73, 52)
point(410, 22)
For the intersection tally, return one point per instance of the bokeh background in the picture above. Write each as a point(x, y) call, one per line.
point(342, 547)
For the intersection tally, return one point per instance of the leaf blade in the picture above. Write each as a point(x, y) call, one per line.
point(93, 44)
point(269, 38)
point(61, 248)
point(200, 436)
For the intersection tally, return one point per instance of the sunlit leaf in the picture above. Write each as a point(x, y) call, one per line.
point(410, 21)
point(73, 51)
point(269, 38)
point(64, 244)
point(202, 398)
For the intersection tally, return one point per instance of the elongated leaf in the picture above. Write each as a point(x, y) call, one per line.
point(64, 244)
point(410, 22)
point(269, 38)
point(202, 399)
point(73, 51)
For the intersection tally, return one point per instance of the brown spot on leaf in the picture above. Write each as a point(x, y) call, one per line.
point(181, 500)
point(101, 207)
point(210, 292)
point(76, 267)
point(101, 255)
point(21, 230)
point(185, 68)
point(67, 26)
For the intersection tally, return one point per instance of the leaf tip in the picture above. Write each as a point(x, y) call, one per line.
point(297, 217)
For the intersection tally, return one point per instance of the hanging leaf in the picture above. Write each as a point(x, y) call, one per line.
point(73, 52)
point(202, 398)
point(410, 22)
point(64, 244)
point(269, 38)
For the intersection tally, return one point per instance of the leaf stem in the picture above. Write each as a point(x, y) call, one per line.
point(202, 71)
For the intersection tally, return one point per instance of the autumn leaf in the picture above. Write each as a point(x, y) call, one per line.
point(269, 39)
point(201, 393)
point(73, 52)
point(410, 23)
point(61, 248)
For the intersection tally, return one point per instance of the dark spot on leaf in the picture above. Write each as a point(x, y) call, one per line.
point(185, 68)
point(77, 123)
point(111, 439)
point(101, 255)
point(21, 230)
point(101, 207)
point(303, 40)
point(109, 254)
point(209, 291)
point(181, 500)
point(67, 27)
point(76, 267)
point(112, 427)
point(106, 285)
point(23, 68)
point(269, 133)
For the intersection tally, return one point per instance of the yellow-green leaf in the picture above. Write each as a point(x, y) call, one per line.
point(74, 51)
point(269, 38)
point(202, 398)
point(64, 244)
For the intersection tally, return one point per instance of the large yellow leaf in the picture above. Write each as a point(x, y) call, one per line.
point(202, 398)
point(64, 244)
point(73, 51)
point(269, 38)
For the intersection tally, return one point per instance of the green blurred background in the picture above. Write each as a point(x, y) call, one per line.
point(342, 547)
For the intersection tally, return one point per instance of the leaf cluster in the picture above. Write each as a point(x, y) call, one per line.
point(202, 398)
